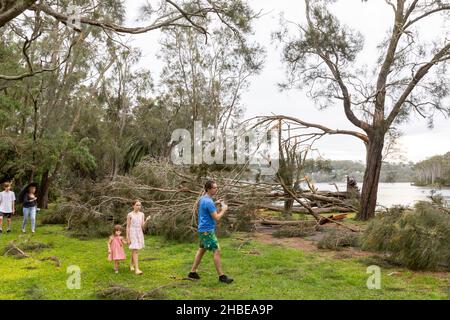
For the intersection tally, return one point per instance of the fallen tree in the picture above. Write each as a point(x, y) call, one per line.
point(169, 195)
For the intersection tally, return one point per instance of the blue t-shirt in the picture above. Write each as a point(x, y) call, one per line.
point(206, 208)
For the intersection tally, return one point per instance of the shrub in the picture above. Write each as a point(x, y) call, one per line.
point(178, 227)
point(417, 239)
point(243, 218)
point(302, 230)
point(83, 221)
point(54, 218)
point(335, 240)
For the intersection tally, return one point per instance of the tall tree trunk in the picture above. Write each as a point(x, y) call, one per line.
point(43, 190)
point(35, 128)
point(288, 204)
point(369, 191)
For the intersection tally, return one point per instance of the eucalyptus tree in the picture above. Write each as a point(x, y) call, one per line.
point(206, 80)
point(200, 81)
point(435, 170)
point(411, 75)
point(57, 99)
point(191, 14)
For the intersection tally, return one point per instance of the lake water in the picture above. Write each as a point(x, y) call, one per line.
point(394, 193)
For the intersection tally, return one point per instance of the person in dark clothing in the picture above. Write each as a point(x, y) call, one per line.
point(29, 208)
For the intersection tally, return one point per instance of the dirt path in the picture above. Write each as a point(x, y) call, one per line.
point(309, 244)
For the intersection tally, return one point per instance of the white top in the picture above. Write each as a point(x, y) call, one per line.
point(6, 201)
point(136, 219)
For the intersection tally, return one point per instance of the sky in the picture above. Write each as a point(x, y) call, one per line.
point(263, 97)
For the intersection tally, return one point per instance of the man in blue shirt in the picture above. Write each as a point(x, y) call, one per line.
point(207, 218)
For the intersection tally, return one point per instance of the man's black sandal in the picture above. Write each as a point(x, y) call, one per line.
point(225, 279)
point(193, 275)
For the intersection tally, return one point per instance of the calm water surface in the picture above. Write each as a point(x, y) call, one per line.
point(394, 193)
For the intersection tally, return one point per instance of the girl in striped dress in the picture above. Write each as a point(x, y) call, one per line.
point(135, 234)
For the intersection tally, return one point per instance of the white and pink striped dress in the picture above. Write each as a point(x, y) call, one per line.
point(136, 235)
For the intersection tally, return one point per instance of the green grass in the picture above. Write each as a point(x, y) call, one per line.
point(261, 271)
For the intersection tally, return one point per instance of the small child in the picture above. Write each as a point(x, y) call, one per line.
point(7, 205)
point(115, 247)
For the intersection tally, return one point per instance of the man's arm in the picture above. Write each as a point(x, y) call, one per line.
point(217, 216)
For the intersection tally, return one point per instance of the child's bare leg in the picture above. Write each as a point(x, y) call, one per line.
point(9, 223)
point(116, 265)
point(132, 261)
point(136, 261)
point(1, 222)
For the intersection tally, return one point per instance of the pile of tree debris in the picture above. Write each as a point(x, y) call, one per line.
point(169, 195)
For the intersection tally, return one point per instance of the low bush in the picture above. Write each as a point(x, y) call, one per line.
point(177, 227)
point(243, 218)
point(302, 230)
point(337, 239)
point(418, 239)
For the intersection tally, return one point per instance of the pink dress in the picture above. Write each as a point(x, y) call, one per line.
point(136, 235)
point(117, 252)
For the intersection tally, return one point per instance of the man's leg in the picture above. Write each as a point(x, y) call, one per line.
point(198, 259)
point(217, 262)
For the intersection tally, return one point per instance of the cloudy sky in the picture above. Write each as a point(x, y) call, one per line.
point(263, 97)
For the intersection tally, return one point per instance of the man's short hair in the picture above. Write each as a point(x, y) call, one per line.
point(209, 184)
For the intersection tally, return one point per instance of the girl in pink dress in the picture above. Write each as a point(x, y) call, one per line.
point(135, 234)
point(115, 247)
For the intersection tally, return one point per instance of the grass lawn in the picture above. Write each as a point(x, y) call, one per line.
point(261, 271)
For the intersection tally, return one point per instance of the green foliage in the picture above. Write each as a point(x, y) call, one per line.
point(417, 239)
point(135, 151)
point(81, 221)
point(336, 170)
point(337, 239)
point(177, 227)
point(244, 216)
point(80, 159)
point(433, 171)
point(7, 107)
point(300, 231)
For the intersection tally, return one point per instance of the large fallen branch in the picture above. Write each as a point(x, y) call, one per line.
point(288, 223)
point(169, 195)
point(307, 207)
